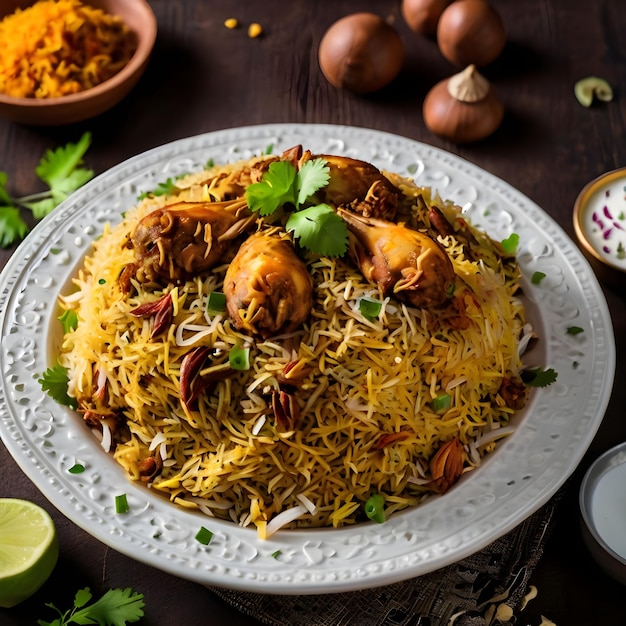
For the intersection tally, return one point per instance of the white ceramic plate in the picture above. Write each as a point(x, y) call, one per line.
point(553, 432)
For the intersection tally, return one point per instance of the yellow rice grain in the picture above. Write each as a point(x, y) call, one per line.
point(59, 47)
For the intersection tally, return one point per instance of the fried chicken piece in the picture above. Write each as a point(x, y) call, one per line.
point(353, 184)
point(268, 287)
point(401, 261)
point(184, 239)
point(232, 185)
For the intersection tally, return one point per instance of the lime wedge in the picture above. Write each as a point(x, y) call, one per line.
point(29, 549)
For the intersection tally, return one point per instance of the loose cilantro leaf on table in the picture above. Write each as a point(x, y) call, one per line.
point(117, 607)
point(61, 170)
point(12, 226)
point(317, 227)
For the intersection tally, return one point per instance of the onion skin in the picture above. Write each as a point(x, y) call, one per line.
point(361, 53)
point(422, 16)
point(461, 122)
point(470, 32)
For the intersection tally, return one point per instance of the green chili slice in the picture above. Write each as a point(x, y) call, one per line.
point(375, 508)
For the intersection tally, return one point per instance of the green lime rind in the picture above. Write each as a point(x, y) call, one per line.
point(29, 550)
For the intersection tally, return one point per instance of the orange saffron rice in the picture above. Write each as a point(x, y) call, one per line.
point(59, 47)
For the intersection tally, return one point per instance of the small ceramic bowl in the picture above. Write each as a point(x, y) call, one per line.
point(600, 225)
point(138, 16)
point(603, 510)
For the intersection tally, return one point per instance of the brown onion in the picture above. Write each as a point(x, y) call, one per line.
point(463, 108)
point(470, 32)
point(361, 53)
point(422, 16)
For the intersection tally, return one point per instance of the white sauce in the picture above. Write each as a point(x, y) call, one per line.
point(604, 221)
point(608, 508)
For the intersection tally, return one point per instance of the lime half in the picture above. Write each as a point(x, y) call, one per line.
point(29, 549)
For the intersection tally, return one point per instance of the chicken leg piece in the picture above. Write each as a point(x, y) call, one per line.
point(401, 261)
point(184, 239)
point(268, 287)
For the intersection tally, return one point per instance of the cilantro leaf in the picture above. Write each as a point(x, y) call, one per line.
point(54, 382)
point(69, 320)
point(41, 208)
point(538, 377)
point(313, 175)
point(277, 187)
point(117, 607)
point(167, 188)
point(319, 229)
point(59, 168)
point(12, 226)
point(5, 198)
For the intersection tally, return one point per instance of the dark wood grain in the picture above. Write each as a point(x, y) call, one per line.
point(204, 77)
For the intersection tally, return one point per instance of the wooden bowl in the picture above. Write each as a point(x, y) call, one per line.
point(138, 16)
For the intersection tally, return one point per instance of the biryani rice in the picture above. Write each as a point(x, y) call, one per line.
point(59, 47)
point(361, 380)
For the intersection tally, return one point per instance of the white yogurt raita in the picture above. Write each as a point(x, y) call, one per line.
point(608, 508)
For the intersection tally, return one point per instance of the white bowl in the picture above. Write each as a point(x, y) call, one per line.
point(603, 510)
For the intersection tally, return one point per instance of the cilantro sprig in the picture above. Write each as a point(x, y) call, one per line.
point(54, 382)
point(63, 173)
point(538, 377)
point(117, 607)
point(316, 227)
point(163, 188)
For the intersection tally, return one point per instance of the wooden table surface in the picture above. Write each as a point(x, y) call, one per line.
point(204, 77)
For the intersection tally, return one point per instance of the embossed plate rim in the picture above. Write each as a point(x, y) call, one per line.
point(552, 433)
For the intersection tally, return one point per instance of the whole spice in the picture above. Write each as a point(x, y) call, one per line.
point(361, 52)
point(255, 30)
point(470, 32)
point(586, 89)
point(422, 16)
point(463, 108)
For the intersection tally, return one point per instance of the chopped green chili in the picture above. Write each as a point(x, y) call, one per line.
point(537, 277)
point(370, 308)
point(375, 508)
point(121, 504)
point(574, 330)
point(204, 536)
point(216, 302)
point(510, 243)
point(239, 358)
point(442, 402)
